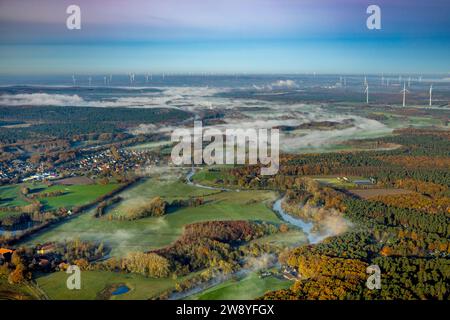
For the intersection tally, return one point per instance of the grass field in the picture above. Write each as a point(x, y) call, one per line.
point(209, 178)
point(402, 121)
point(149, 188)
point(10, 196)
point(93, 282)
point(4, 214)
point(333, 181)
point(157, 232)
point(246, 288)
point(16, 291)
point(75, 195)
point(149, 145)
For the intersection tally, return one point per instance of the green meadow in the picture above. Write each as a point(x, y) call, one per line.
point(75, 195)
point(246, 288)
point(156, 232)
point(403, 121)
point(335, 182)
point(10, 196)
point(149, 145)
point(93, 282)
point(209, 177)
point(152, 187)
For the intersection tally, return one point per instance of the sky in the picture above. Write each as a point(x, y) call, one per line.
point(224, 36)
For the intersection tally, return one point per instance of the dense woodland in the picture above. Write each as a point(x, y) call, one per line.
point(406, 235)
point(60, 122)
point(387, 167)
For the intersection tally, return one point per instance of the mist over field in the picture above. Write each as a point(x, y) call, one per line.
point(238, 112)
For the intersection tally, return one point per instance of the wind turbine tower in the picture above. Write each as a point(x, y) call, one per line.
point(74, 80)
point(131, 75)
point(431, 92)
point(404, 91)
point(366, 91)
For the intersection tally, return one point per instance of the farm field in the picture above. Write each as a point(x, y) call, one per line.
point(247, 288)
point(74, 180)
point(75, 195)
point(10, 196)
point(149, 188)
point(396, 121)
point(335, 182)
point(72, 195)
point(149, 145)
point(208, 177)
point(156, 232)
point(93, 282)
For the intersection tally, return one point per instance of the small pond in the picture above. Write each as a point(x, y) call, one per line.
point(120, 290)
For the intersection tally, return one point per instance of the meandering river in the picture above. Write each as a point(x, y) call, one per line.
point(306, 227)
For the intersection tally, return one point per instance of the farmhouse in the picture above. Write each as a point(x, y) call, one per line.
point(46, 249)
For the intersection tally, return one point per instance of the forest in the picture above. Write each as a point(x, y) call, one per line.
point(57, 122)
point(405, 234)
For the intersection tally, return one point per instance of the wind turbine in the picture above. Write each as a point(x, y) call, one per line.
point(74, 80)
point(131, 75)
point(431, 92)
point(146, 78)
point(404, 91)
point(366, 91)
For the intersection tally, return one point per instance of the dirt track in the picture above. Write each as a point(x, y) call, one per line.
point(74, 180)
point(370, 193)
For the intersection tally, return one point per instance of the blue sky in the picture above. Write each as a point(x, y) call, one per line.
point(255, 36)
